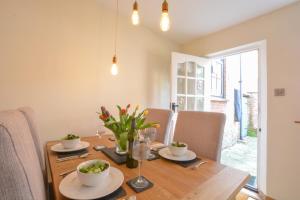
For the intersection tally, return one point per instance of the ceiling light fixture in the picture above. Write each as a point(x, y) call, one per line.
point(135, 18)
point(114, 68)
point(165, 20)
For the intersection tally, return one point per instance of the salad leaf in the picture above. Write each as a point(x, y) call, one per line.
point(94, 168)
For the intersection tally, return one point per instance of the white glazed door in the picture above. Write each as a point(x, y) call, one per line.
point(190, 82)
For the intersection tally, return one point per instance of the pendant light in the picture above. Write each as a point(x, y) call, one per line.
point(114, 68)
point(135, 18)
point(165, 20)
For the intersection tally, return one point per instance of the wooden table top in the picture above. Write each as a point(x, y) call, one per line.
point(211, 181)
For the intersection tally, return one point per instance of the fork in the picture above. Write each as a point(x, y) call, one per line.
point(196, 166)
point(72, 157)
point(132, 197)
point(67, 172)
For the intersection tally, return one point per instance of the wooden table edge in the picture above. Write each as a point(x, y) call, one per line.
point(242, 185)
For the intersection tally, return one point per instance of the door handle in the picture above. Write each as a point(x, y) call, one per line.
point(173, 106)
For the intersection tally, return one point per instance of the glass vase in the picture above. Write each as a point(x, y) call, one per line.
point(121, 143)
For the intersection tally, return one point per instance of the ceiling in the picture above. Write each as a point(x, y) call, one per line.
point(191, 19)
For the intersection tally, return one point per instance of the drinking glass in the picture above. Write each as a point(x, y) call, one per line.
point(141, 151)
point(100, 132)
point(149, 135)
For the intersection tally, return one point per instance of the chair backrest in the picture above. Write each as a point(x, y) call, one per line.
point(21, 174)
point(30, 117)
point(163, 117)
point(202, 131)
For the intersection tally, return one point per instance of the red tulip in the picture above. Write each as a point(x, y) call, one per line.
point(123, 111)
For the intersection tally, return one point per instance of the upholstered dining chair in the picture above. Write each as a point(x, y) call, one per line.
point(202, 131)
point(21, 159)
point(164, 118)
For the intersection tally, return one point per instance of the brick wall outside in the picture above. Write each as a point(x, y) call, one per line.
point(253, 110)
point(231, 130)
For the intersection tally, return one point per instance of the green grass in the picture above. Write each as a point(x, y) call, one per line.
point(252, 132)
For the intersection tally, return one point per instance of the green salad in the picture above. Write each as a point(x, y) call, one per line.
point(71, 137)
point(178, 144)
point(94, 168)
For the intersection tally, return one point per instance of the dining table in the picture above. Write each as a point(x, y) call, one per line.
point(209, 181)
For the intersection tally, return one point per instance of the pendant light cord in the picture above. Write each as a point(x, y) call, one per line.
point(116, 26)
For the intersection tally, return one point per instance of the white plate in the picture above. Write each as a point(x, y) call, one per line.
point(59, 147)
point(166, 153)
point(71, 188)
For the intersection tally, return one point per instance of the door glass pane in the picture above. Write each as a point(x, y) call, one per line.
point(200, 87)
point(181, 103)
point(191, 86)
point(180, 85)
point(219, 86)
point(191, 69)
point(191, 103)
point(199, 103)
point(181, 69)
point(200, 71)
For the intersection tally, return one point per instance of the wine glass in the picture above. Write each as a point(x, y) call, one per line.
point(149, 134)
point(100, 132)
point(141, 151)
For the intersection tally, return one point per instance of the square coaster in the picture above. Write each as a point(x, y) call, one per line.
point(115, 195)
point(111, 153)
point(138, 190)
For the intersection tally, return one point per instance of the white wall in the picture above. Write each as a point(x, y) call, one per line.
point(281, 29)
point(56, 55)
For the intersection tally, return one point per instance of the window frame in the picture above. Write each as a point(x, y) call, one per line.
point(216, 78)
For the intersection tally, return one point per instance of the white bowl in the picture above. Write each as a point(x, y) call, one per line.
point(178, 151)
point(92, 179)
point(70, 144)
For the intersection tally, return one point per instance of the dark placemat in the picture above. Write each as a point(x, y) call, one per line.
point(138, 190)
point(115, 195)
point(154, 156)
point(187, 163)
point(111, 153)
point(73, 153)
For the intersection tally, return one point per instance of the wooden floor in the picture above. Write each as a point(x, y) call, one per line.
point(246, 194)
point(243, 196)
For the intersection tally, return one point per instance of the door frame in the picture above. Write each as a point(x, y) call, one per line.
point(262, 136)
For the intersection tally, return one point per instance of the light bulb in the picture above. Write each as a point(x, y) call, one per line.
point(165, 21)
point(114, 68)
point(135, 18)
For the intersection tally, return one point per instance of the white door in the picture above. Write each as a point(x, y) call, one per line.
point(190, 82)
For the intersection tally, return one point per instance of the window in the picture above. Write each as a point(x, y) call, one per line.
point(217, 78)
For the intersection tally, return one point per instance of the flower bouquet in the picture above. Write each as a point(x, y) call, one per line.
point(121, 126)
